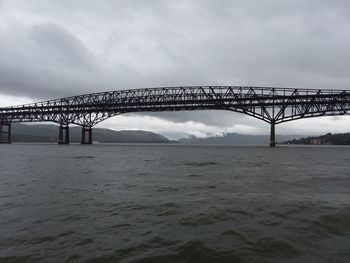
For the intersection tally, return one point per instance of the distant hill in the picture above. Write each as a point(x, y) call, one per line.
point(327, 139)
point(236, 138)
point(49, 133)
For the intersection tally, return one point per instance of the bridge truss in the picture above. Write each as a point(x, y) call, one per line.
point(272, 105)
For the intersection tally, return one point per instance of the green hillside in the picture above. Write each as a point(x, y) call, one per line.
point(49, 133)
point(327, 139)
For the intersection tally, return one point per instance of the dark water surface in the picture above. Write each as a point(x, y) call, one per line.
point(174, 203)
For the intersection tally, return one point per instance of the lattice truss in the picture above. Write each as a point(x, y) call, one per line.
point(272, 105)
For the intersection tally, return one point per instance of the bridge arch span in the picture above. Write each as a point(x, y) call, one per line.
point(269, 104)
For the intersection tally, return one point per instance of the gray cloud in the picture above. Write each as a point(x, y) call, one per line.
point(51, 49)
point(58, 46)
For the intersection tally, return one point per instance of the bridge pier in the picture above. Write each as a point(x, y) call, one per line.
point(273, 134)
point(86, 135)
point(5, 132)
point(63, 134)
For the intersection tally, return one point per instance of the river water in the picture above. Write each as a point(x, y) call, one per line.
point(174, 203)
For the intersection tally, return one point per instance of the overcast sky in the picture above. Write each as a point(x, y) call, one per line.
point(53, 49)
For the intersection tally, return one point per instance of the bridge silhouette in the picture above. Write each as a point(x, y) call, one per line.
point(272, 105)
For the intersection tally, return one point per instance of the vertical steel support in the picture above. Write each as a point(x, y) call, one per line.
point(87, 130)
point(9, 139)
point(5, 133)
point(60, 134)
point(67, 135)
point(83, 137)
point(63, 134)
point(90, 136)
point(272, 134)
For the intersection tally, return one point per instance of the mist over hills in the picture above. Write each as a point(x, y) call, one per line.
point(236, 138)
point(49, 133)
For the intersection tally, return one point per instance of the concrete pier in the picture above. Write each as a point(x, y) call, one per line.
point(272, 135)
point(86, 135)
point(63, 134)
point(5, 132)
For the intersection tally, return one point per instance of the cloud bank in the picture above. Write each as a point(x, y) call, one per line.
point(52, 49)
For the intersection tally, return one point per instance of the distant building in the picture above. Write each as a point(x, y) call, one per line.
point(316, 141)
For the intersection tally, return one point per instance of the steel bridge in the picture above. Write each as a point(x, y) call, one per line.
point(272, 105)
